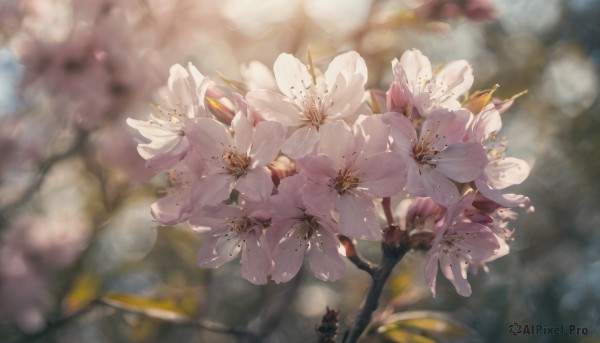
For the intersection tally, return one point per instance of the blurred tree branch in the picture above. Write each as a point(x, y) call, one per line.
point(43, 170)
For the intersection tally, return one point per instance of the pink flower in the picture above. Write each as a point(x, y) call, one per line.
point(168, 128)
point(311, 101)
point(297, 231)
point(234, 229)
point(235, 158)
point(349, 171)
point(177, 205)
point(438, 154)
point(458, 244)
point(500, 171)
point(416, 87)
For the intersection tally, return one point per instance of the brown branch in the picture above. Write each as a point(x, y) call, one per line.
point(391, 256)
point(184, 321)
point(354, 257)
point(387, 210)
point(43, 170)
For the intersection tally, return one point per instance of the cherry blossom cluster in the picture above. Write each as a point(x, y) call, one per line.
point(278, 172)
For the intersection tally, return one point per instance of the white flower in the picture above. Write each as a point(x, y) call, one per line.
point(310, 101)
point(167, 129)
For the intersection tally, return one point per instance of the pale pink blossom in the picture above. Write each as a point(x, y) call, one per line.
point(169, 126)
point(458, 244)
point(177, 205)
point(349, 170)
point(477, 10)
point(297, 231)
point(258, 76)
point(437, 155)
point(500, 171)
point(422, 214)
point(233, 229)
point(417, 87)
point(310, 101)
point(236, 158)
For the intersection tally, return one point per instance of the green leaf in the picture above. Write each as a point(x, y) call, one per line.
point(154, 308)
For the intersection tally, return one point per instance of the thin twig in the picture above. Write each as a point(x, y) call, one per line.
point(184, 321)
point(354, 257)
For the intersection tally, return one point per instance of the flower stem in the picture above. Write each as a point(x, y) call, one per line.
point(391, 256)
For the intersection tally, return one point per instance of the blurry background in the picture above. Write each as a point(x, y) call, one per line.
point(75, 196)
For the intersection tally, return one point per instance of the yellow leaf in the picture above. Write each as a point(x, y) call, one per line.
point(400, 336)
point(477, 102)
point(427, 323)
point(84, 290)
point(235, 85)
point(154, 308)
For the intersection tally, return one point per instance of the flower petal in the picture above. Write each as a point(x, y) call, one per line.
point(319, 199)
point(255, 259)
point(454, 80)
point(444, 127)
point(506, 172)
point(301, 143)
point(402, 132)
point(414, 69)
point(210, 138)
point(337, 142)
point(218, 250)
point(288, 256)
point(324, 258)
point(455, 272)
point(438, 187)
point(358, 218)
point(384, 174)
point(372, 135)
point(211, 190)
point(462, 162)
point(484, 124)
point(243, 131)
point(268, 137)
point(291, 75)
point(173, 208)
point(273, 106)
point(350, 65)
point(505, 200)
point(256, 185)
point(431, 268)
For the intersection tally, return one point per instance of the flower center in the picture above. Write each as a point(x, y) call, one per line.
point(311, 103)
point(235, 164)
point(423, 154)
point(239, 226)
point(495, 147)
point(168, 119)
point(309, 225)
point(451, 245)
point(345, 181)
